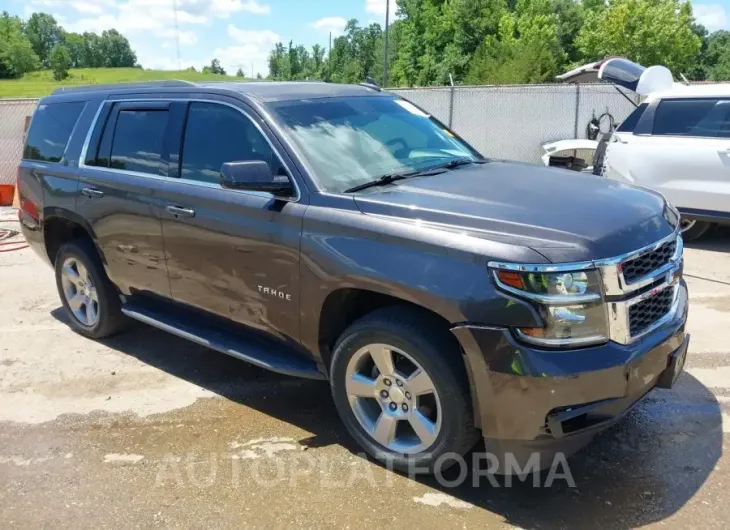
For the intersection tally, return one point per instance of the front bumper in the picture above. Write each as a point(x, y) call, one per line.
point(530, 398)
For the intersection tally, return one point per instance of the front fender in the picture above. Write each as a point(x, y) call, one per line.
point(434, 269)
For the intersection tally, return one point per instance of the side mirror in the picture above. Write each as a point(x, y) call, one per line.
point(254, 175)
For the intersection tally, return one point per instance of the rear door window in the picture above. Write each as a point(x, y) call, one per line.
point(704, 117)
point(50, 131)
point(138, 140)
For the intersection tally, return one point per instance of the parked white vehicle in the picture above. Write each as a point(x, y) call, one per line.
point(677, 141)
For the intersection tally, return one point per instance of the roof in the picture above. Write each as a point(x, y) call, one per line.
point(707, 90)
point(268, 91)
point(265, 91)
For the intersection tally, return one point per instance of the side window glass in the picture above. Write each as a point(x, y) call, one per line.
point(138, 140)
point(629, 124)
point(718, 120)
point(50, 131)
point(687, 117)
point(215, 134)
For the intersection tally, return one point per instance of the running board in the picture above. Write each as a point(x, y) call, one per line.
point(256, 351)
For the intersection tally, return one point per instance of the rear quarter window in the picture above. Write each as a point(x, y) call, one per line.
point(629, 124)
point(50, 131)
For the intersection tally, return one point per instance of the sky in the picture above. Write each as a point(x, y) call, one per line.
point(240, 33)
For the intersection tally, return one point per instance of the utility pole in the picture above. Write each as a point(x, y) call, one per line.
point(385, 58)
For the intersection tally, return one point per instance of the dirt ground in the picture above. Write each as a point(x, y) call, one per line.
point(148, 430)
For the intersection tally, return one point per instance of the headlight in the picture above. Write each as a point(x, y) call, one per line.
point(573, 325)
point(570, 304)
point(552, 287)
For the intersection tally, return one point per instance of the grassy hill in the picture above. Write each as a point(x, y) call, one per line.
point(41, 83)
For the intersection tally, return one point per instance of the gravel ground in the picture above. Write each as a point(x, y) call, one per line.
point(147, 430)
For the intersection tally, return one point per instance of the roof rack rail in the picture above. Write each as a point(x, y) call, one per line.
point(115, 86)
point(371, 83)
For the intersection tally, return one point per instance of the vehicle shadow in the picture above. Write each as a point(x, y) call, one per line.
point(643, 470)
point(717, 240)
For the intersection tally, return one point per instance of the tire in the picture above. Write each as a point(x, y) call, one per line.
point(696, 230)
point(92, 286)
point(416, 337)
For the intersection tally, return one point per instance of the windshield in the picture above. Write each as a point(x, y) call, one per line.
point(353, 140)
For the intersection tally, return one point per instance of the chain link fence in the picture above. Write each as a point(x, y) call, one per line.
point(14, 119)
point(513, 122)
point(510, 122)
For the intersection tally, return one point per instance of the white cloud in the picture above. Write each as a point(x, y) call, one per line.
point(712, 16)
point(263, 37)
point(186, 38)
point(377, 7)
point(221, 8)
point(226, 7)
point(89, 7)
point(133, 15)
point(252, 49)
point(334, 24)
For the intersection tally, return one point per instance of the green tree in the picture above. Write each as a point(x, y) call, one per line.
point(571, 16)
point(239, 73)
point(353, 54)
point(115, 50)
point(93, 54)
point(214, 68)
point(648, 32)
point(526, 48)
point(16, 52)
point(279, 63)
point(59, 61)
point(717, 56)
point(75, 45)
point(44, 33)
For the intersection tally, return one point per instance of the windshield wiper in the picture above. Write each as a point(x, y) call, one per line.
point(435, 170)
point(382, 181)
point(456, 162)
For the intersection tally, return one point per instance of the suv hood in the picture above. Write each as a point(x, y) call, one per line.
point(564, 215)
point(624, 73)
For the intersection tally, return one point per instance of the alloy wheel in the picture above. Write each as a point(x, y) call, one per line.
point(80, 292)
point(393, 398)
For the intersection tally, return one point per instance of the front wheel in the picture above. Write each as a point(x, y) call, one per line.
point(400, 387)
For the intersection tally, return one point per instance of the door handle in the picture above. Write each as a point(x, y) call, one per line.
point(92, 193)
point(179, 211)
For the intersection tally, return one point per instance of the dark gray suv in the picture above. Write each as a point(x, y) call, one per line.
point(340, 232)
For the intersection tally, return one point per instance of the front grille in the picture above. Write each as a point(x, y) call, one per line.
point(647, 312)
point(637, 268)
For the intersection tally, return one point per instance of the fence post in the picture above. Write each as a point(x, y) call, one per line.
point(577, 110)
point(451, 101)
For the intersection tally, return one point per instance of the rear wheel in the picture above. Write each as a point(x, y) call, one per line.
point(87, 294)
point(692, 229)
point(400, 387)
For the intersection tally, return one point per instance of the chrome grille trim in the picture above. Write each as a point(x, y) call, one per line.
point(614, 283)
point(619, 323)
